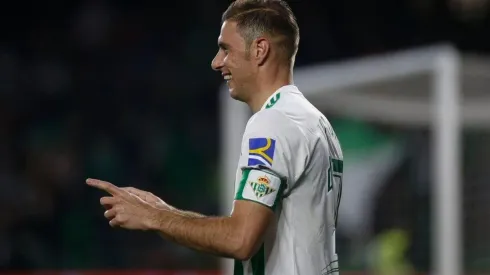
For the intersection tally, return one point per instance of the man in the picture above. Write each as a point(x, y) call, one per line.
point(289, 175)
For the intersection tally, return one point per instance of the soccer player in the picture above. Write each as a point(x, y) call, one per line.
point(289, 176)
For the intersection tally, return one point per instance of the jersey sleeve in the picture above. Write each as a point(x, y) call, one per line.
point(269, 143)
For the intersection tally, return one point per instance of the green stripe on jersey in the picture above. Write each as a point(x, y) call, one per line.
point(241, 186)
point(258, 262)
point(238, 268)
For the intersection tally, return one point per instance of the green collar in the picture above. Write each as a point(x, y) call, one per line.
point(273, 100)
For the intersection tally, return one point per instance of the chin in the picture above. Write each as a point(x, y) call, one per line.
point(235, 93)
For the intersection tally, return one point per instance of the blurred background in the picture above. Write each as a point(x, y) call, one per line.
point(123, 91)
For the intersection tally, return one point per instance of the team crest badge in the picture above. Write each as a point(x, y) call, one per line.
point(261, 186)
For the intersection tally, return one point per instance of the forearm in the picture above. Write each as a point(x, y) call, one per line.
point(188, 214)
point(214, 235)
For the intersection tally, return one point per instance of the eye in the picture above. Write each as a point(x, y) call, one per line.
point(223, 49)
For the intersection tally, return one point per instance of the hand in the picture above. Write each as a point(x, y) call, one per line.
point(125, 209)
point(148, 198)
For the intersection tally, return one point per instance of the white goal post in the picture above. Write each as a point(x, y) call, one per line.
point(375, 89)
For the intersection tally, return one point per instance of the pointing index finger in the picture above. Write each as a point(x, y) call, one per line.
point(104, 186)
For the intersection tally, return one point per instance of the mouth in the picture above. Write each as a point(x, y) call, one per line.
point(227, 77)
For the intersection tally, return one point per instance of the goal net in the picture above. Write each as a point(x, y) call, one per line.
point(414, 197)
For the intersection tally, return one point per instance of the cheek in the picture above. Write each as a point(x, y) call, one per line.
point(238, 65)
point(230, 62)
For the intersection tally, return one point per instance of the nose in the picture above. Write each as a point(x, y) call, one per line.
point(217, 62)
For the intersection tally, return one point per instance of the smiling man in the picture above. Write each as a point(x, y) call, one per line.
point(289, 176)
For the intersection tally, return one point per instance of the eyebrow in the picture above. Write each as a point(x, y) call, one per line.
point(223, 45)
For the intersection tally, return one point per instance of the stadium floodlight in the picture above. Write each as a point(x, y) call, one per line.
point(415, 88)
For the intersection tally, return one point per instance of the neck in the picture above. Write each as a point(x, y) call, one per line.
point(266, 85)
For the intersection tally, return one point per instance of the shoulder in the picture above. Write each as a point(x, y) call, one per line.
point(273, 130)
point(272, 122)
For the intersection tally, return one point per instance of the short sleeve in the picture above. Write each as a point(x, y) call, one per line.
point(269, 143)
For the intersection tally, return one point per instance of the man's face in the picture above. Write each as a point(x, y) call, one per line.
point(233, 61)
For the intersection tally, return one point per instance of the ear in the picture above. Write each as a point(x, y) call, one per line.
point(262, 50)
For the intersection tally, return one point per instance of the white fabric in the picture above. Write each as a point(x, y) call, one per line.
point(291, 139)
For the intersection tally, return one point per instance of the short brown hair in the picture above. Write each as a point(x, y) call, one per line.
point(272, 17)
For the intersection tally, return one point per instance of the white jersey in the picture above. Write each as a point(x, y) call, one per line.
point(291, 162)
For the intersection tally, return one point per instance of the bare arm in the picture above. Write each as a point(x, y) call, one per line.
point(238, 236)
point(159, 203)
point(190, 214)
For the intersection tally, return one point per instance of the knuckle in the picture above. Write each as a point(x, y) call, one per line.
point(120, 219)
